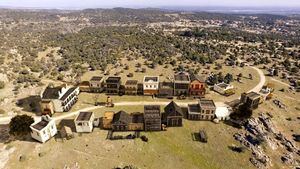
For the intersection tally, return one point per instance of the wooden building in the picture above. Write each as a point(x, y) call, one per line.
point(84, 86)
point(204, 110)
point(181, 84)
point(123, 121)
point(151, 85)
point(152, 118)
point(173, 115)
point(107, 120)
point(131, 87)
point(166, 90)
point(113, 85)
point(96, 84)
point(136, 122)
point(120, 121)
point(197, 85)
point(251, 100)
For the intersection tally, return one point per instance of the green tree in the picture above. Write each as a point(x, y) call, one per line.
point(20, 125)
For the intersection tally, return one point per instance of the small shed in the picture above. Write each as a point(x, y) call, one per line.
point(66, 132)
point(202, 136)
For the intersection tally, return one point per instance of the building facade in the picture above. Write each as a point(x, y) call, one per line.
point(152, 118)
point(197, 85)
point(58, 99)
point(166, 89)
point(84, 122)
point(96, 84)
point(181, 84)
point(44, 129)
point(204, 110)
point(131, 87)
point(173, 115)
point(113, 85)
point(151, 85)
point(251, 100)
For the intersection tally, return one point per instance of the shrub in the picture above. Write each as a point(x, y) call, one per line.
point(2, 84)
point(20, 125)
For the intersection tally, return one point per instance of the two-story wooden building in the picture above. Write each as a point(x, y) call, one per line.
point(152, 118)
point(172, 116)
point(197, 85)
point(251, 100)
point(113, 84)
point(181, 84)
point(131, 87)
point(96, 84)
point(204, 110)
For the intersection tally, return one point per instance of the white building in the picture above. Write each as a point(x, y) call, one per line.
point(223, 113)
point(84, 122)
point(222, 88)
point(44, 129)
point(60, 99)
point(151, 85)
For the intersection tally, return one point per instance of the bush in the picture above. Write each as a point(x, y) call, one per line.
point(20, 125)
point(2, 84)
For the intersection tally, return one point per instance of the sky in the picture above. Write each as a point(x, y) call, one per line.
point(145, 3)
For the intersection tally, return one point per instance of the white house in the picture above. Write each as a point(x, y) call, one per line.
point(222, 88)
point(151, 85)
point(84, 122)
point(58, 99)
point(44, 129)
point(223, 113)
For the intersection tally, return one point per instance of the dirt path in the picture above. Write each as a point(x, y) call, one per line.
point(262, 81)
point(278, 81)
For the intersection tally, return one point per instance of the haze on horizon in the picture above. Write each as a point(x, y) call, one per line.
point(145, 3)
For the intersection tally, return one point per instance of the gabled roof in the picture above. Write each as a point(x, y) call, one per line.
point(197, 77)
point(121, 117)
point(173, 109)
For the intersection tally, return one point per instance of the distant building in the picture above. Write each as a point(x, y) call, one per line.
point(204, 110)
point(151, 85)
point(97, 84)
point(107, 120)
point(84, 86)
point(251, 100)
point(197, 85)
point(223, 88)
point(166, 89)
point(152, 118)
point(173, 115)
point(131, 87)
point(84, 122)
point(181, 84)
point(58, 99)
point(44, 129)
point(113, 85)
